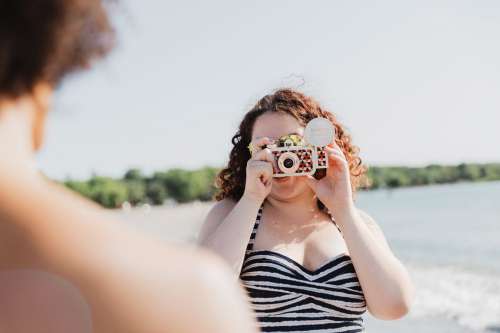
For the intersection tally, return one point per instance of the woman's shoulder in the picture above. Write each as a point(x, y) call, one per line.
point(220, 209)
point(216, 214)
point(366, 217)
point(374, 227)
point(223, 206)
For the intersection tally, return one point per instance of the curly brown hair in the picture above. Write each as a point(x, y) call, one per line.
point(44, 40)
point(230, 181)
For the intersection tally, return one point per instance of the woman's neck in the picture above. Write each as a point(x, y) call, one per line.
point(16, 135)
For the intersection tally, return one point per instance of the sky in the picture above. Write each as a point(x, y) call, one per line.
point(414, 82)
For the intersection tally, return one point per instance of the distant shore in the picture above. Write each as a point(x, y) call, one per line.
point(181, 186)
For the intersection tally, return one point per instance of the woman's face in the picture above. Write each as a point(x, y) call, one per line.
point(274, 125)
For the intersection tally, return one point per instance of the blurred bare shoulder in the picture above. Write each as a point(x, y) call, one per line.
point(205, 290)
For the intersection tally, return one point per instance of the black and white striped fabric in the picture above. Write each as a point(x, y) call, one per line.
point(287, 297)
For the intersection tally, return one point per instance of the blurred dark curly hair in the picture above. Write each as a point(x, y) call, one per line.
point(230, 181)
point(44, 40)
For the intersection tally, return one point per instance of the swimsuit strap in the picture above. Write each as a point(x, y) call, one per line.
point(254, 231)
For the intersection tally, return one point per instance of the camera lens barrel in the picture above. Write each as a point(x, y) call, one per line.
point(288, 162)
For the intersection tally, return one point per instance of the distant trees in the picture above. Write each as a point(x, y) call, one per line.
point(393, 177)
point(176, 184)
point(189, 185)
point(103, 190)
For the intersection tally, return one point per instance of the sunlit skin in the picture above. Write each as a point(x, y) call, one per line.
point(293, 225)
point(118, 279)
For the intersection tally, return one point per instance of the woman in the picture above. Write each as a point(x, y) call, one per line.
point(65, 265)
point(310, 260)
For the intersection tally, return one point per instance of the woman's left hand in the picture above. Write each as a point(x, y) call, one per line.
point(334, 190)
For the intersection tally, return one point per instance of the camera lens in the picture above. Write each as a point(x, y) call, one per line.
point(288, 163)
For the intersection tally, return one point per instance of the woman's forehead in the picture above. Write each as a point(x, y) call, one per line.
point(274, 125)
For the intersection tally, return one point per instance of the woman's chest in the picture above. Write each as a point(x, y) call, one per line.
point(311, 244)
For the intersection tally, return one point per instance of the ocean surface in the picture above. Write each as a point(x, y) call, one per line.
point(448, 236)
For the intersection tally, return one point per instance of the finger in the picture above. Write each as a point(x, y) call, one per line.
point(335, 152)
point(336, 159)
point(337, 165)
point(267, 175)
point(262, 168)
point(266, 155)
point(268, 184)
point(258, 164)
point(265, 169)
point(312, 182)
point(263, 155)
point(258, 143)
point(336, 147)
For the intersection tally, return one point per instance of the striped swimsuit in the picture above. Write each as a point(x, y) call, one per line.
point(287, 297)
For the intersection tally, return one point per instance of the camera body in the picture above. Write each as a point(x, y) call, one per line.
point(297, 157)
point(298, 160)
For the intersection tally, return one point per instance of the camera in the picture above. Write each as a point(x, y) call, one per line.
point(296, 156)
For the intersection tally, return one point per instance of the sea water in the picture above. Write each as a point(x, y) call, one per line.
point(448, 236)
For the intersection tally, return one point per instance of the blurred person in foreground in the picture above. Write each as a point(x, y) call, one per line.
point(65, 264)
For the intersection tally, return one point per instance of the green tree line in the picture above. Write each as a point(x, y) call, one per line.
point(393, 177)
point(183, 186)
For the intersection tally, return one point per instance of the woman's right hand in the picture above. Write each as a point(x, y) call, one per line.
point(259, 171)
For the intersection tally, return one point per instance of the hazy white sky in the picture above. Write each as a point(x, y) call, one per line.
point(415, 82)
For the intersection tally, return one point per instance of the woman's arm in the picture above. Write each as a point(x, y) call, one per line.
point(131, 283)
point(228, 226)
point(385, 281)
point(227, 230)
point(386, 284)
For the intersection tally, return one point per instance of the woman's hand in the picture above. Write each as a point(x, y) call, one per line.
point(334, 190)
point(259, 171)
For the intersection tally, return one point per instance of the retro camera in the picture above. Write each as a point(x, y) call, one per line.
point(297, 156)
